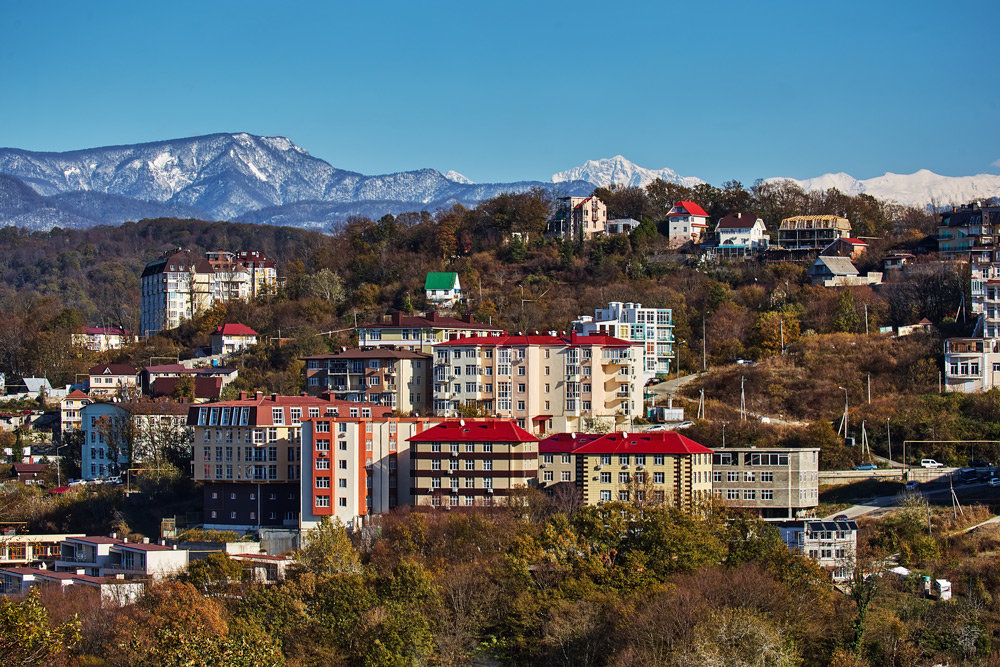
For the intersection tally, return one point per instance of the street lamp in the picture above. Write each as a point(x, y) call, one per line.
point(844, 421)
point(59, 465)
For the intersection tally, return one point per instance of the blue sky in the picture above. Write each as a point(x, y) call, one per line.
point(517, 90)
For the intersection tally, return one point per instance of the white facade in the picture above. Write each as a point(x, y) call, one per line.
point(686, 222)
point(103, 421)
point(652, 327)
point(744, 231)
point(832, 544)
point(973, 364)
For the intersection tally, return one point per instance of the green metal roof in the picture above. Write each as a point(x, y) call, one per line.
point(441, 281)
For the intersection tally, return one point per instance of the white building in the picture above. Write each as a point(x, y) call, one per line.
point(741, 235)
point(973, 364)
point(579, 218)
point(832, 544)
point(110, 429)
point(102, 339)
point(686, 222)
point(230, 338)
point(652, 327)
point(442, 289)
point(112, 380)
point(70, 415)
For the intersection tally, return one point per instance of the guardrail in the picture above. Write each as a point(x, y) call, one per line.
point(888, 474)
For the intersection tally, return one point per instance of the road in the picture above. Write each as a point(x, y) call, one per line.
point(671, 386)
point(883, 504)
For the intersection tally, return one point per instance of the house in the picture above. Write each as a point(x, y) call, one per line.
point(686, 222)
point(30, 473)
point(971, 364)
point(772, 482)
point(443, 289)
point(652, 467)
point(398, 379)
point(923, 326)
point(578, 218)
point(112, 380)
point(544, 382)
point(465, 462)
point(896, 261)
point(111, 591)
point(30, 548)
point(832, 544)
point(231, 338)
point(102, 339)
point(845, 247)
point(161, 380)
point(839, 272)
point(70, 418)
point(740, 235)
point(621, 226)
point(653, 328)
point(264, 568)
point(145, 560)
point(971, 233)
point(354, 467)
point(421, 332)
point(812, 232)
point(38, 387)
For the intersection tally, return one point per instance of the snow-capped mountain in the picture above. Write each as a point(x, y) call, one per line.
point(922, 189)
point(233, 177)
point(620, 171)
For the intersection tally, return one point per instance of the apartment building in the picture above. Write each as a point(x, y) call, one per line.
point(70, 411)
point(657, 467)
point(687, 222)
point(117, 435)
point(546, 383)
point(653, 328)
point(556, 460)
point(970, 233)
point(353, 468)
point(832, 544)
point(397, 379)
point(102, 339)
point(31, 548)
point(578, 217)
point(182, 284)
point(773, 482)
point(465, 462)
point(247, 455)
point(973, 364)
point(419, 333)
point(812, 232)
point(113, 380)
point(232, 337)
point(110, 590)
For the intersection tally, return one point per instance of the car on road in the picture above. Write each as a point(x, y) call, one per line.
point(930, 463)
point(994, 481)
point(746, 362)
point(866, 466)
point(658, 427)
point(912, 484)
point(841, 517)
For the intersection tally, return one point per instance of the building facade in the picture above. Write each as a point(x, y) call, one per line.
point(397, 379)
point(182, 284)
point(421, 333)
point(443, 289)
point(832, 544)
point(687, 222)
point(812, 232)
point(102, 339)
point(70, 411)
point(466, 462)
point(545, 383)
point(660, 467)
point(973, 364)
point(117, 436)
point(970, 233)
point(108, 380)
point(775, 483)
point(579, 217)
point(740, 235)
point(353, 468)
point(247, 451)
point(230, 338)
point(653, 328)
point(557, 460)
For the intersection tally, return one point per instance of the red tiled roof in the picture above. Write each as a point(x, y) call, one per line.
point(98, 540)
point(260, 407)
point(691, 208)
point(665, 442)
point(112, 369)
point(475, 430)
point(231, 329)
point(572, 340)
point(181, 369)
point(853, 241)
point(203, 387)
point(76, 393)
point(565, 443)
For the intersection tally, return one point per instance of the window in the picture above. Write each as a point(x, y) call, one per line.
point(658, 460)
point(732, 477)
point(547, 458)
point(322, 482)
point(277, 416)
point(623, 460)
point(322, 501)
point(470, 465)
point(749, 494)
point(623, 496)
point(749, 476)
point(606, 460)
point(732, 494)
point(322, 464)
point(767, 477)
point(767, 494)
point(623, 478)
point(605, 478)
point(547, 476)
point(487, 465)
point(658, 478)
point(566, 476)
point(567, 458)
point(605, 496)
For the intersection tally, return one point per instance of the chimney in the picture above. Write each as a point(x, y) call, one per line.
point(397, 318)
point(114, 536)
point(260, 395)
point(468, 318)
point(243, 396)
point(145, 540)
point(174, 547)
point(120, 577)
point(432, 316)
point(274, 397)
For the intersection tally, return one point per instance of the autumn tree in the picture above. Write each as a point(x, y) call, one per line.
point(28, 638)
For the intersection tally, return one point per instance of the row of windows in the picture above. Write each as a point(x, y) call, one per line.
point(748, 476)
point(565, 476)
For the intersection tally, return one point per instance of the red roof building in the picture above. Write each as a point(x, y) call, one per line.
point(231, 338)
point(686, 222)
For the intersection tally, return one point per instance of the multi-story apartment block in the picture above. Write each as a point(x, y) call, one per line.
point(812, 232)
point(181, 284)
point(466, 462)
point(353, 468)
point(397, 379)
point(653, 328)
point(113, 380)
point(686, 222)
point(70, 411)
point(970, 233)
point(246, 454)
point(116, 435)
point(579, 217)
point(102, 339)
point(832, 544)
point(546, 383)
point(421, 333)
point(776, 483)
point(556, 460)
point(653, 467)
point(110, 590)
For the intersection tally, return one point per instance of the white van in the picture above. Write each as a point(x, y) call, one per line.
point(930, 463)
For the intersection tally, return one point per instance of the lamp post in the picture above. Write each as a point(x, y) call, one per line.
point(844, 420)
point(59, 465)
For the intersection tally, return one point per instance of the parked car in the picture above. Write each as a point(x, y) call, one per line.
point(866, 466)
point(994, 481)
point(658, 427)
point(930, 463)
point(841, 517)
point(912, 484)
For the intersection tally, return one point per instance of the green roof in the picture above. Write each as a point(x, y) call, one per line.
point(441, 281)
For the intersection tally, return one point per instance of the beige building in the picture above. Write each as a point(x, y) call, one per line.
point(102, 339)
point(579, 217)
point(465, 462)
point(70, 411)
point(812, 232)
point(397, 379)
point(546, 383)
point(556, 459)
point(113, 380)
point(776, 483)
point(246, 455)
point(419, 333)
point(354, 468)
point(657, 467)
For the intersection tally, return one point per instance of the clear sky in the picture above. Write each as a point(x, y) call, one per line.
point(515, 90)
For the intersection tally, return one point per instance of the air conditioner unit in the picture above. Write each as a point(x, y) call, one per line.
point(597, 478)
point(597, 467)
point(640, 467)
point(454, 453)
point(625, 467)
point(489, 490)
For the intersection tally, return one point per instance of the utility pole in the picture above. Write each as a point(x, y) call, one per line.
point(701, 404)
point(888, 437)
point(781, 327)
point(869, 389)
point(843, 421)
point(866, 319)
point(743, 401)
point(723, 435)
point(704, 356)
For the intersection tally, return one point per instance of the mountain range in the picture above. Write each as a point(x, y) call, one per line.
point(270, 180)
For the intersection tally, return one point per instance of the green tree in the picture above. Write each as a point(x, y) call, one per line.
point(326, 285)
point(214, 573)
point(28, 638)
point(846, 315)
point(327, 550)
